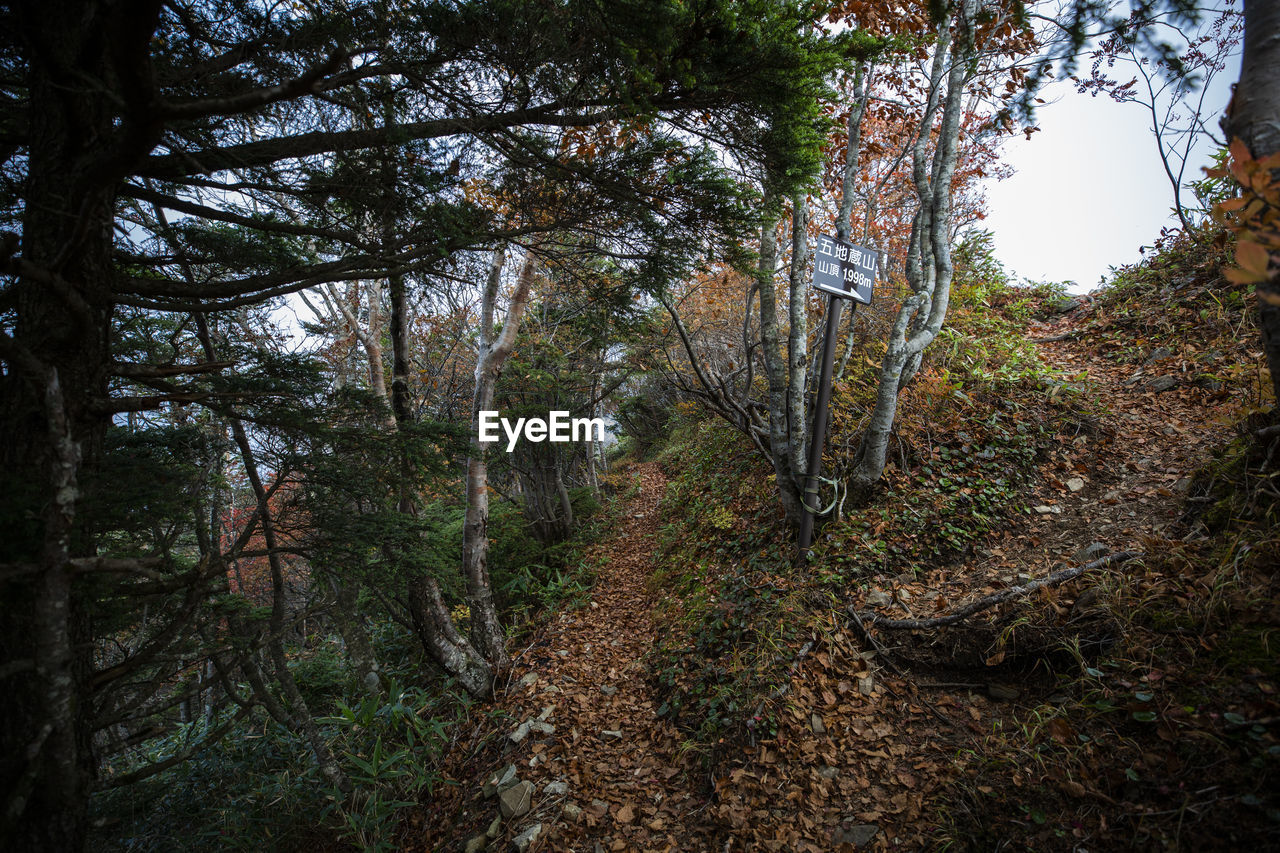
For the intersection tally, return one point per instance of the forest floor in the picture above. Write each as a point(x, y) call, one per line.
point(929, 740)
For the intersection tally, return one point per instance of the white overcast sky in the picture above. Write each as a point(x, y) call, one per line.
point(1089, 189)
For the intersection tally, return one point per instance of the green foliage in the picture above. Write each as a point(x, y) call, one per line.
point(258, 788)
point(972, 428)
point(728, 618)
point(385, 745)
point(528, 574)
point(254, 789)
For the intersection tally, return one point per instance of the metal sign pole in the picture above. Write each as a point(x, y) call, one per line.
point(810, 496)
point(844, 271)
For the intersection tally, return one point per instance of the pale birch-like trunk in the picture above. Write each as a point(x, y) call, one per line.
point(487, 635)
point(798, 339)
point(780, 439)
point(929, 265)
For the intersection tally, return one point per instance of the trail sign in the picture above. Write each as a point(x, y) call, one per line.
point(843, 269)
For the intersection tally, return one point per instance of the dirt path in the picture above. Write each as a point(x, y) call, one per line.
point(607, 774)
point(1123, 479)
point(863, 757)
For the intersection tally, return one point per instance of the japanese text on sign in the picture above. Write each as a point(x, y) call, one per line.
point(843, 269)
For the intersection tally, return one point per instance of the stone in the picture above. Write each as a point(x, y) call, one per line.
point(615, 734)
point(859, 835)
point(1075, 484)
point(829, 772)
point(500, 781)
point(878, 598)
point(608, 689)
point(1063, 305)
point(866, 685)
point(1208, 382)
point(557, 788)
point(521, 732)
point(523, 841)
point(1182, 486)
point(476, 844)
point(815, 722)
point(1089, 553)
point(547, 711)
point(1159, 354)
point(1045, 509)
point(528, 678)
point(904, 596)
point(1085, 600)
point(572, 811)
point(539, 727)
point(495, 828)
point(1162, 383)
point(516, 800)
point(1002, 693)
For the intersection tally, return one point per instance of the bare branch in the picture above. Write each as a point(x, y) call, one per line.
point(1004, 595)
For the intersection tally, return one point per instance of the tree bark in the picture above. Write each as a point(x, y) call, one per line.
point(1254, 118)
point(487, 635)
point(56, 366)
point(929, 266)
point(776, 374)
point(798, 336)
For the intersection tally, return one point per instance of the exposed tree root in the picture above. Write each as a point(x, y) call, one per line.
point(989, 601)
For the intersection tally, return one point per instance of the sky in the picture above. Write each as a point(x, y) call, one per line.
point(1089, 189)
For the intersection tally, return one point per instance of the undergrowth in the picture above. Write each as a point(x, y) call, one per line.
point(257, 788)
point(1174, 312)
point(1167, 739)
point(970, 432)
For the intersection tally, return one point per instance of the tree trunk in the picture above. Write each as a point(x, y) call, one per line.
point(1254, 118)
point(487, 635)
point(776, 374)
point(929, 266)
point(442, 641)
point(798, 336)
point(56, 369)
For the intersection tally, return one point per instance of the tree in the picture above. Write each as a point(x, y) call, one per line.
point(237, 118)
point(928, 135)
point(1169, 94)
point(1251, 119)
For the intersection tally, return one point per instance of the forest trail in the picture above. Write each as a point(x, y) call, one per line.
point(606, 773)
point(1123, 479)
point(864, 757)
